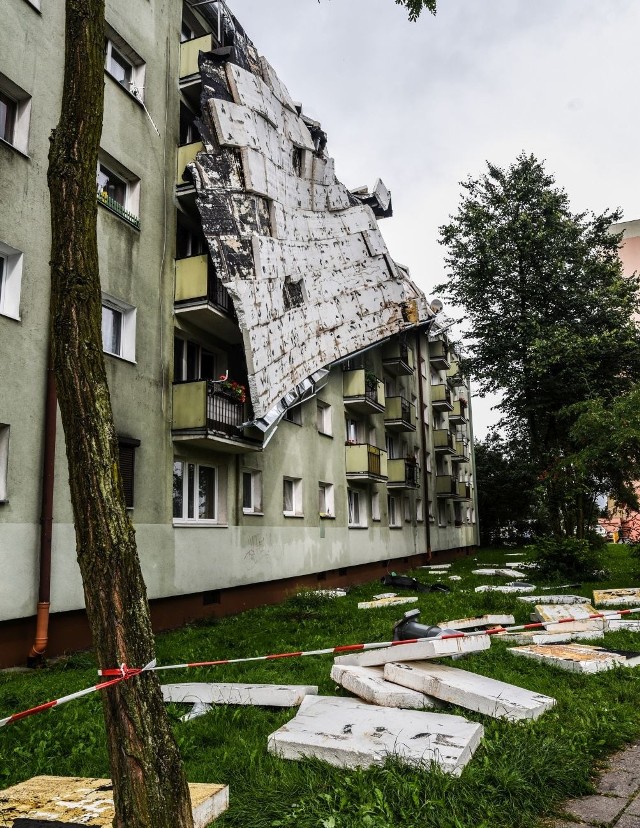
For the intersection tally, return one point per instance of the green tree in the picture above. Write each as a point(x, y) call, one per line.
point(548, 312)
point(149, 785)
point(415, 7)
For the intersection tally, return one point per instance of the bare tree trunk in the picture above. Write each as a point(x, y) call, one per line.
point(150, 789)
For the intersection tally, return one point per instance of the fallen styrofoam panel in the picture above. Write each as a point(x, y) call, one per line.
point(588, 625)
point(436, 567)
point(258, 695)
point(506, 589)
point(534, 637)
point(615, 624)
point(554, 599)
point(455, 578)
point(89, 801)
point(478, 622)
point(470, 690)
point(577, 658)
point(348, 733)
point(556, 633)
point(198, 709)
point(616, 597)
point(330, 593)
point(369, 684)
point(386, 602)
point(555, 612)
point(514, 554)
point(382, 595)
point(423, 649)
point(507, 573)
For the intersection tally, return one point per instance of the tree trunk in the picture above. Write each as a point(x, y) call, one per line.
point(150, 789)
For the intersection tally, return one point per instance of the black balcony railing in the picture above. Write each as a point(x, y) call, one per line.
point(411, 470)
point(373, 460)
point(217, 294)
point(223, 412)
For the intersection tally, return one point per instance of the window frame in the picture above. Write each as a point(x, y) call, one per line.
point(375, 507)
point(129, 211)
point(356, 503)
point(294, 414)
point(255, 505)
point(296, 510)
point(20, 102)
point(326, 491)
point(127, 452)
point(5, 433)
point(134, 85)
point(10, 280)
point(190, 498)
point(324, 418)
point(393, 512)
point(127, 314)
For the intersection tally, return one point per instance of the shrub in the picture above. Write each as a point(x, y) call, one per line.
point(567, 558)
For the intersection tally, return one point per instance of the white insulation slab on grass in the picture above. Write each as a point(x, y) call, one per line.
point(385, 602)
point(257, 695)
point(505, 589)
point(506, 573)
point(554, 599)
point(616, 624)
point(554, 612)
point(617, 597)
point(348, 733)
point(470, 690)
point(424, 649)
point(478, 622)
point(577, 658)
point(369, 684)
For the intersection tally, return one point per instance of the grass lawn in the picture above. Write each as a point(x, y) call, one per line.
point(518, 775)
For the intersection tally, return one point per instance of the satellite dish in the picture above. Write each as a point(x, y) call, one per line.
point(436, 305)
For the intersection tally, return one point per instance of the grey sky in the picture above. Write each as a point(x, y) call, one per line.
point(424, 105)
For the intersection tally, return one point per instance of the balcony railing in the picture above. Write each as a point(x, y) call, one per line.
point(458, 413)
point(463, 491)
point(186, 154)
point(441, 397)
point(443, 440)
point(363, 391)
point(446, 485)
point(189, 52)
point(200, 405)
point(439, 355)
point(403, 473)
point(197, 282)
point(399, 414)
point(399, 360)
point(461, 450)
point(118, 209)
point(365, 461)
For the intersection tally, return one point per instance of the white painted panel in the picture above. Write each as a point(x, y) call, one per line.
point(266, 695)
point(577, 658)
point(617, 597)
point(427, 648)
point(369, 684)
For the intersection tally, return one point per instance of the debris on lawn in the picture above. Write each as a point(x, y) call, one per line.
point(616, 597)
point(404, 582)
point(554, 599)
point(89, 801)
point(507, 573)
point(409, 627)
point(421, 650)
point(369, 684)
point(350, 733)
point(578, 658)
point(616, 623)
point(436, 567)
point(390, 600)
point(255, 695)
point(455, 578)
point(555, 612)
point(478, 622)
point(522, 587)
point(470, 690)
point(330, 593)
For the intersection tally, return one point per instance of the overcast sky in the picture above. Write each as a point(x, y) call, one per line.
point(424, 105)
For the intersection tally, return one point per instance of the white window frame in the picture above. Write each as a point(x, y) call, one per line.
point(294, 486)
point(324, 418)
point(21, 101)
point(135, 84)
point(254, 506)
point(406, 509)
point(375, 506)
point(356, 509)
point(442, 513)
point(326, 504)
point(10, 280)
point(131, 182)
point(432, 518)
point(419, 510)
point(127, 349)
point(393, 507)
point(4, 462)
point(185, 518)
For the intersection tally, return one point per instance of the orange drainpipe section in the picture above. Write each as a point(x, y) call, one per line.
point(36, 654)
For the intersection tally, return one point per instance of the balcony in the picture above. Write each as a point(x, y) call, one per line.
point(439, 355)
point(186, 154)
point(208, 418)
point(202, 299)
point(443, 441)
point(365, 462)
point(399, 361)
point(454, 377)
point(458, 413)
point(441, 398)
point(461, 451)
point(463, 491)
point(446, 486)
point(363, 391)
point(403, 474)
point(190, 80)
point(399, 414)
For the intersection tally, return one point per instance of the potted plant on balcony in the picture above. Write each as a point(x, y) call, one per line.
point(370, 381)
point(233, 390)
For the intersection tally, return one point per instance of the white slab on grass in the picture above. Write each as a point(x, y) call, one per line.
point(421, 650)
point(436, 567)
point(386, 602)
point(330, 593)
point(506, 589)
point(534, 637)
point(348, 733)
point(554, 612)
point(369, 684)
point(577, 658)
point(616, 597)
point(256, 695)
point(478, 622)
point(470, 690)
point(507, 573)
point(616, 624)
point(554, 599)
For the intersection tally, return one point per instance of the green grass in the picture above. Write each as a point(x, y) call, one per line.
point(519, 774)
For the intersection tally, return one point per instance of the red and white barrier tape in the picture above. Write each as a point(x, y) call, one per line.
point(123, 673)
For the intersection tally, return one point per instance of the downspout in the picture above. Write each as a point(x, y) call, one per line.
point(39, 647)
point(423, 448)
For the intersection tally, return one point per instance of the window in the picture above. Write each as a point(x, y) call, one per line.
point(294, 415)
point(354, 430)
point(118, 190)
point(194, 492)
point(430, 507)
point(292, 497)
point(188, 130)
point(123, 64)
point(356, 509)
point(118, 328)
point(127, 462)
point(442, 513)
point(10, 280)
point(193, 362)
point(4, 462)
point(394, 511)
point(15, 112)
point(406, 509)
point(419, 511)
point(325, 500)
point(251, 492)
point(324, 418)
point(375, 506)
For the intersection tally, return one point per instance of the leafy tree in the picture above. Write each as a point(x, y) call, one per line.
point(150, 788)
point(415, 7)
point(549, 313)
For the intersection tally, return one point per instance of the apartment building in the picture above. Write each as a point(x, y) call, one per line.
point(289, 410)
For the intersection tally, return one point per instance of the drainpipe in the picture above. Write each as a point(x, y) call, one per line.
point(423, 448)
point(39, 647)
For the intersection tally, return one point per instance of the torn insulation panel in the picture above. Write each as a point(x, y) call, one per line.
point(302, 257)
